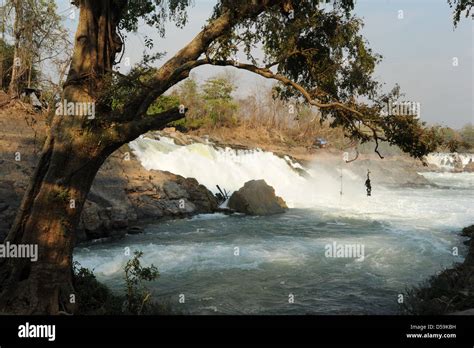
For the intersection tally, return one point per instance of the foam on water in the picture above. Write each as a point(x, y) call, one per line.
point(228, 168)
point(448, 161)
point(400, 209)
point(408, 234)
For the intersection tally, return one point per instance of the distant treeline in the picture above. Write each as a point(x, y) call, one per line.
point(461, 140)
point(212, 106)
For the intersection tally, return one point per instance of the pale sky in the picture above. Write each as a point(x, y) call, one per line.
point(419, 52)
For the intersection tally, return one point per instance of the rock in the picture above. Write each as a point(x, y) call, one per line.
point(469, 260)
point(148, 208)
point(135, 230)
point(257, 198)
point(98, 222)
point(469, 167)
point(119, 218)
point(203, 199)
point(468, 231)
point(180, 207)
point(174, 191)
point(143, 187)
point(91, 223)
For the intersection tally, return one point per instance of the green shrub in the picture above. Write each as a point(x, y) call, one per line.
point(163, 103)
point(94, 298)
point(137, 295)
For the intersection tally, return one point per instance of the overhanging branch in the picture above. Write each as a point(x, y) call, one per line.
point(178, 67)
point(131, 130)
point(267, 73)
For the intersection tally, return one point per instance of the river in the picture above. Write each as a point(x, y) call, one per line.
point(280, 264)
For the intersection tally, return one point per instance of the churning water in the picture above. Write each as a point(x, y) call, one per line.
point(449, 161)
point(279, 264)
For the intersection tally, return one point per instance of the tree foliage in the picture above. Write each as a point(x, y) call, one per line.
point(210, 104)
point(314, 50)
point(137, 295)
point(461, 7)
point(219, 105)
point(36, 34)
point(467, 134)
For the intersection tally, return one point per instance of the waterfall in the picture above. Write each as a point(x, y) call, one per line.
point(319, 190)
point(450, 161)
point(226, 167)
point(408, 234)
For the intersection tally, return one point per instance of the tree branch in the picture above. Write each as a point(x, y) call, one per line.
point(267, 73)
point(178, 67)
point(131, 130)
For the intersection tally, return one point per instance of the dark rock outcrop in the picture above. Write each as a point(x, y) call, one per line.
point(125, 196)
point(449, 292)
point(256, 197)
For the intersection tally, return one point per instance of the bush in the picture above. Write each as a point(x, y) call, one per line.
point(94, 298)
point(162, 104)
point(137, 295)
point(467, 135)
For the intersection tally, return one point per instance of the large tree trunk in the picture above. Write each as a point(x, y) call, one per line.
point(76, 148)
point(48, 216)
point(73, 153)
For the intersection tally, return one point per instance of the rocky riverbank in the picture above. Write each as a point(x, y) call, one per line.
point(124, 195)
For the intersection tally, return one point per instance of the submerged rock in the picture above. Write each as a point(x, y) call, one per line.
point(135, 230)
point(257, 198)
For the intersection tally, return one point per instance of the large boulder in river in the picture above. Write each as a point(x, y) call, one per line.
point(257, 198)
